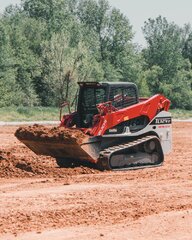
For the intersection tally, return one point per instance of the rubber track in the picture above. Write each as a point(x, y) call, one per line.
point(107, 152)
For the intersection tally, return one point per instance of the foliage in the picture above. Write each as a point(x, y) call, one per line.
point(114, 34)
point(10, 93)
point(167, 69)
point(64, 63)
point(47, 46)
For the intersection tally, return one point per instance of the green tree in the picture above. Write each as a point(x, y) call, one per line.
point(164, 46)
point(10, 93)
point(166, 70)
point(65, 65)
point(187, 49)
point(55, 13)
point(26, 61)
point(113, 32)
point(180, 90)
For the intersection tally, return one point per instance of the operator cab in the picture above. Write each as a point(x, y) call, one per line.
point(121, 95)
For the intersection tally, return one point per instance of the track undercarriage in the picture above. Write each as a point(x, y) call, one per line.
point(140, 153)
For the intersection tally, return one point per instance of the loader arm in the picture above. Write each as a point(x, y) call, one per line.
point(148, 108)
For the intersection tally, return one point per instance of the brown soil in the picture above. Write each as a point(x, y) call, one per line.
point(55, 134)
point(38, 200)
point(16, 160)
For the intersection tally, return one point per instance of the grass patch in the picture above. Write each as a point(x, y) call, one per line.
point(181, 114)
point(15, 114)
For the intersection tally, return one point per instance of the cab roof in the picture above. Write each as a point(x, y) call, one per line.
point(112, 84)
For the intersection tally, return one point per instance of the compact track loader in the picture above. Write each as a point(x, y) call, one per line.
point(112, 127)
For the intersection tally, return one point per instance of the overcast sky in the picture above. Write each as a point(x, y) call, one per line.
point(5, 3)
point(138, 11)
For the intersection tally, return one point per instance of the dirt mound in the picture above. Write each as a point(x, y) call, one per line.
point(16, 160)
point(19, 161)
point(6, 164)
point(55, 134)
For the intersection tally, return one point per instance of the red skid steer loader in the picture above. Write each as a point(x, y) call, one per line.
point(121, 131)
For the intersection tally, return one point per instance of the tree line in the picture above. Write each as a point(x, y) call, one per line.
point(47, 46)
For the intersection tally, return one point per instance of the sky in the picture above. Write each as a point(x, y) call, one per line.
point(138, 11)
point(5, 3)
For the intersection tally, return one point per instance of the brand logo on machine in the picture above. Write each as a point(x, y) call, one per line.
point(161, 120)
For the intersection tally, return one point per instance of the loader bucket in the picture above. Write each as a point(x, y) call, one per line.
point(60, 142)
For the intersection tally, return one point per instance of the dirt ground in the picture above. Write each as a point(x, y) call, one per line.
point(38, 200)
